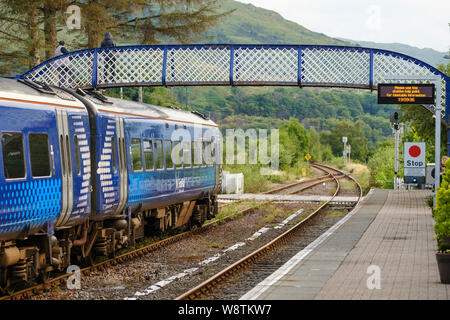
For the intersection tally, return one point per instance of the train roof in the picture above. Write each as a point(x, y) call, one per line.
point(25, 90)
point(22, 90)
point(132, 108)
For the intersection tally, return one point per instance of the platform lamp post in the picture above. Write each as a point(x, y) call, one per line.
point(438, 116)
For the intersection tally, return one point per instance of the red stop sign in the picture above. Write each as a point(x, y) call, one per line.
point(414, 151)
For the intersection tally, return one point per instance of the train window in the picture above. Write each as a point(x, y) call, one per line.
point(168, 153)
point(136, 154)
point(148, 155)
point(13, 157)
point(178, 154)
point(187, 154)
point(39, 155)
point(77, 154)
point(159, 156)
point(113, 150)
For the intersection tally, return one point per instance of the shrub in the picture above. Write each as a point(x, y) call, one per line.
point(442, 211)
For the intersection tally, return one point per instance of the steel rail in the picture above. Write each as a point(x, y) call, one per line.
point(61, 279)
point(207, 286)
point(288, 186)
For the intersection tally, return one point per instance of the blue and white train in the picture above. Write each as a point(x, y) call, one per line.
point(83, 175)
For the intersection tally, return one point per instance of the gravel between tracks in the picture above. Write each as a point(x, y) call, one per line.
point(248, 279)
point(138, 275)
point(170, 271)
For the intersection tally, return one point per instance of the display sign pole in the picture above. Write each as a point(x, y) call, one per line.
point(438, 114)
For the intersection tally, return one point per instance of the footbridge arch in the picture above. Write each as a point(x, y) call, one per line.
point(237, 65)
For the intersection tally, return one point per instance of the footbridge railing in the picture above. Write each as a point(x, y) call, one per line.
point(231, 65)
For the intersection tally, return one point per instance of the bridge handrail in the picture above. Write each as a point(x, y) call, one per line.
point(231, 64)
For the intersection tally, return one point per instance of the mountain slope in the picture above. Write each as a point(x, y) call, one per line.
point(427, 55)
point(250, 24)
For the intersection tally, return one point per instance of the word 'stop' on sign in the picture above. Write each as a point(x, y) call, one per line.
point(406, 93)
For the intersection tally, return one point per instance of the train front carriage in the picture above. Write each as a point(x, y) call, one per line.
point(44, 177)
point(83, 175)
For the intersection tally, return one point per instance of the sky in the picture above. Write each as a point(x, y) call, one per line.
point(420, 23)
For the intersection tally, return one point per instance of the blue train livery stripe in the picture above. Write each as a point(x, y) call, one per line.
point(29, 204)
point(145, 185)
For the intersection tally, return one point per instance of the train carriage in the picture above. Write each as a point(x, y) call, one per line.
point(83, 175)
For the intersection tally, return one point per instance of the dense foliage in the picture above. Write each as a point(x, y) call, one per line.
point(421, 124)
point(382, 164)
point(442, 211)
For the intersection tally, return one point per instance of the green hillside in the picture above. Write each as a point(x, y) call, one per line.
point(269, 107)
point(427, 55)
point(250, 24)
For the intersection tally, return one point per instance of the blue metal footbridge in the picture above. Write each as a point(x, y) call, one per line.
point(236, 65)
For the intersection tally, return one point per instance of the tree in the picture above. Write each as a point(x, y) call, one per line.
point(315, 147)
point(422, 123)
point(381, 166)
point(355, 135)
point(294, 142)
point(31, 27)
point(51, 10)
point(147, 21)
point(19, 25)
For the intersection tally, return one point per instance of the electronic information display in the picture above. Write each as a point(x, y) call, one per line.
point(405, 93)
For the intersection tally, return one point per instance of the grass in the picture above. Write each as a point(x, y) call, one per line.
point(362, 176)
point(234, 210)
point(214, 245)
point(274, 212)
point(336, 213)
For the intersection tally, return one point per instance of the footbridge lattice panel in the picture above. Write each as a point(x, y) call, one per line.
point(236, 65)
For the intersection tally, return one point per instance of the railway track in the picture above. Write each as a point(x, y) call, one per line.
point(223, 276)
point(295, 187)
point(62, 279)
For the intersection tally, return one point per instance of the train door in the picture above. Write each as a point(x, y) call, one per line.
point(123, 175)
point(73, 133)
point(66, 166)
point(80, 157)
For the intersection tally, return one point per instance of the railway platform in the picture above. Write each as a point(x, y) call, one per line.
point(384, 249)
